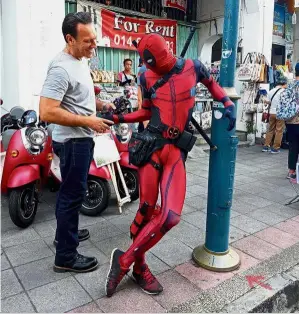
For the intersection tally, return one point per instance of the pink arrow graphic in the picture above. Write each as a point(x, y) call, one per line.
point(257, 280)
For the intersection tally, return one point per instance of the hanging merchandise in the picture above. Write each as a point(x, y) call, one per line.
point(102, 76)
point(203, 107)
point(214, 70)
point(264, 68)
point(105, 80)
point(246, 69)
point(248, 98)
point(254, 69)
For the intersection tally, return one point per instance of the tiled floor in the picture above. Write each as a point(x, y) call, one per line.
point(261, 226)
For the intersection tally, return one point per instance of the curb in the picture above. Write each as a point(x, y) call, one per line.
point(283, 297)
point(234, 295)
point(206, 147)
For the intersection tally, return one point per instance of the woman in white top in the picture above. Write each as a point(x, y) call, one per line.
point(276, 127)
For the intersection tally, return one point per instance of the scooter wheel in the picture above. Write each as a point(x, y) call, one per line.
point(97, 197)
point(132, 182)
point(21, 211)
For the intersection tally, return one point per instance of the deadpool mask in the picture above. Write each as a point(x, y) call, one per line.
point(154, 52)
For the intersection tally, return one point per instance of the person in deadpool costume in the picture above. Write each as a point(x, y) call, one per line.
point(169, 109)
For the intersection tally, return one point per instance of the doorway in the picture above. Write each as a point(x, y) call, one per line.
point(278, 55)
point(217, 51)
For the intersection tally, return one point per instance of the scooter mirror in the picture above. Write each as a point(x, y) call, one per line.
point(16, 113)
point(1, 102)
point(29, 118)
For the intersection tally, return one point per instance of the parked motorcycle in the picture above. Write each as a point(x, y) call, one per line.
point(10, 119)
point(25, 164)
point(98, 189)
point(122, 134)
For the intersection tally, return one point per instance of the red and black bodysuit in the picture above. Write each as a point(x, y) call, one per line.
point(169, 108)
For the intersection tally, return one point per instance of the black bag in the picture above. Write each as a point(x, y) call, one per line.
point(141, 147)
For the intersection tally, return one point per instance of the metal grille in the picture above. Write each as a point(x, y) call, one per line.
point(152, 7)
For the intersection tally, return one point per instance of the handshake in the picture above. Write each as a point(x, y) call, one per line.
point(102, 124)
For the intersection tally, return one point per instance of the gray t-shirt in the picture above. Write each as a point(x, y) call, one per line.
point(69, 80)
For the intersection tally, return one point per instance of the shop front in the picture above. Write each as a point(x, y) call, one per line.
point(112, 52)
point(117, 27)
point(283, 35)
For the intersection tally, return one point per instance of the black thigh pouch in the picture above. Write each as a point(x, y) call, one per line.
point(141, 147)
point(186, 141)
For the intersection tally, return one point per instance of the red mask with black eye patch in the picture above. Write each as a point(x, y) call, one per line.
point(154, 52)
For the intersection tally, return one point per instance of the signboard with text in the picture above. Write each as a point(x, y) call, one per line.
point(118, 31)
point(177, 4)
point(279, 20)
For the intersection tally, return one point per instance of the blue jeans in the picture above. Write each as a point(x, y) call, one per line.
point(75, 158)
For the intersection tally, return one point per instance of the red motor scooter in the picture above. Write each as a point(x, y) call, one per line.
point(25, 162)
point(122, 134)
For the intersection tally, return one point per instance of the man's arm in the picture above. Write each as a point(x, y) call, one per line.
point(51, 112)
point(54, 89)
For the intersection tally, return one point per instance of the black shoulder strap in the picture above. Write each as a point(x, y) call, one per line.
point(125, 76)
point(164, 79)
point(275, 93)
point(273, 98)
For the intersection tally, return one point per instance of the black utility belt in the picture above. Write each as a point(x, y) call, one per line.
point(183, 140)
point(143, 145)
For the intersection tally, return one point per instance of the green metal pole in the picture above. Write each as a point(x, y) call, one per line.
point(215, 254)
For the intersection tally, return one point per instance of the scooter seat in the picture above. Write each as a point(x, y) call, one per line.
point(6, 136)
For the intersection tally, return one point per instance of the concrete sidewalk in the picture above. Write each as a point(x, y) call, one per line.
point(262, 229)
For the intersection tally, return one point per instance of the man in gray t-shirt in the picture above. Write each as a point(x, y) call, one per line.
point(68, 101)
point(69, 82)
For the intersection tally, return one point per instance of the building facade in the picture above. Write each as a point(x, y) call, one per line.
point(30, 33)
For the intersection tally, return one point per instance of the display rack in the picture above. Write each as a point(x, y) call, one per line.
point(202, 111)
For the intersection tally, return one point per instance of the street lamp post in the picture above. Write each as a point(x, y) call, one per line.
point(215, 254)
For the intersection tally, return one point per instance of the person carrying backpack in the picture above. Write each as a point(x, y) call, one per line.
point(276, 126)
point(293, 128)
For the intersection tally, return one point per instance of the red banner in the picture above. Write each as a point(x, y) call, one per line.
point(177, 4)
point(118, 31)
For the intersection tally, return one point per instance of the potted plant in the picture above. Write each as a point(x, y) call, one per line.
point(251, 131)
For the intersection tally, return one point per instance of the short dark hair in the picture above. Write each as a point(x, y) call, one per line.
point(128, 59)
point(71, 20)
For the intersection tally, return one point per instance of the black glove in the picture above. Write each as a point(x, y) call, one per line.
point(107, 115)
point(230, 114)
point(121, 105)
